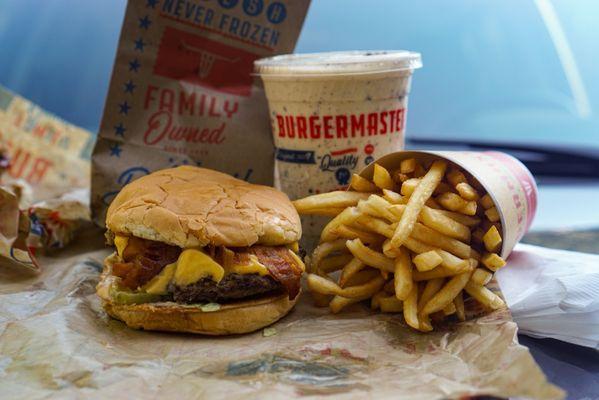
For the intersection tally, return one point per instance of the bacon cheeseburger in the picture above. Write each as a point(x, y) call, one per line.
point(200, 251)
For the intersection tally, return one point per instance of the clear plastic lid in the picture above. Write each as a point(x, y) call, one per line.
point(339, 62)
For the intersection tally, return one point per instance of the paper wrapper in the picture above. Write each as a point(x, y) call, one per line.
point(56, 342)
point(45, 151)
point(43, 195)
point(182, 91)
point(553, 293)
point(508, 182)
point(46, 225)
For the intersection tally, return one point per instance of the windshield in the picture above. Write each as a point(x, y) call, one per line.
point(490, 74)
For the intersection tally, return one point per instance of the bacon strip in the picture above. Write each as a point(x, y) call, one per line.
point(281, 267)
point(144, 259)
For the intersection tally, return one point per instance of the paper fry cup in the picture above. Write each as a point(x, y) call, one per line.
point(509, 183)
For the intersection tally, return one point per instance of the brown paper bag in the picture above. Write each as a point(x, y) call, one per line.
point(182, 90)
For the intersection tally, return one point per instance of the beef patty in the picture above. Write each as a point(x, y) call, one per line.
point(143, 259)
point(231, 287)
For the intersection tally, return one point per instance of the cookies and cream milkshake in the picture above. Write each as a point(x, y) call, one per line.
point(334, 113)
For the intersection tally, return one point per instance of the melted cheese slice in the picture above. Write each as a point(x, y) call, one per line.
point(194, 265)
point(120, 242)
point(159, 283)
point(254, 267)
point(294, 247)
point(298, 260)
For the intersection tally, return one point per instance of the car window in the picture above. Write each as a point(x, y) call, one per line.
point(490, 74)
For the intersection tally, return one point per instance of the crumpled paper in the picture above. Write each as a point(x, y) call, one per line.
point(44, 194)
point(43, 226)
point(553, 293)
point(57, 342)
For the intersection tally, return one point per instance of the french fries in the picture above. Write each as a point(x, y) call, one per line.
point(493, 261)
point(434, 238)
point(439, 272)
point(433, 204)
point(410, 308)
point(337, 199)
point(481, 276)
point(377, 207)
point(390, 304)
point(446, 225)
point(370, 257)
point(413, 240)
point(452, 262)
point(461, 218)
point(421, 194)
point(376, 225)
point(446, 295)
point(403, 275)
point(360, 184)
point(407, 166)
point(492, 239)
point(323, 250)
point(350, 269)
point(427, 261)
point(455, 177)
point(393, 197)
point(398, 177)
point(486, 201)
point(324, 286)
point(408, 186)
point(350, 232)
point(466, 191)
point(458, 302)
point(484, 296)
point(382, 178)
point(334, 263)
point(454, 202)
point(346, 217)
point(449, 309)
point(492, 214)
point(430, 289)
point(340, 302)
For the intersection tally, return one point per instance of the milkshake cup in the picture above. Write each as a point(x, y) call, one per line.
point(509, 183)
point(332, 114)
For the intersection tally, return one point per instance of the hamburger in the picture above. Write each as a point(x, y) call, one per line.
point(199, 251)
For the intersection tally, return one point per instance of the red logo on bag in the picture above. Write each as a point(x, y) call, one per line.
point(195, 59)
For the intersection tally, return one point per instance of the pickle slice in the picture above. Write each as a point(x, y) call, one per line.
point(126, 297)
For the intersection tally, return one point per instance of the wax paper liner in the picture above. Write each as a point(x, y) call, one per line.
point(57, 342)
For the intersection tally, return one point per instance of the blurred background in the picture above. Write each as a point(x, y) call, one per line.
point(518, 75)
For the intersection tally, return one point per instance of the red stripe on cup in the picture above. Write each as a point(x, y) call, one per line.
point(345, 151)
point(526, 180)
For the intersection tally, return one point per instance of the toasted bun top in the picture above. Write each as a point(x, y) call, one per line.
point(190, 206)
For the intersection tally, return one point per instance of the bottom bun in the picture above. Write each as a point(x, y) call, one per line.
point(232, 318)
